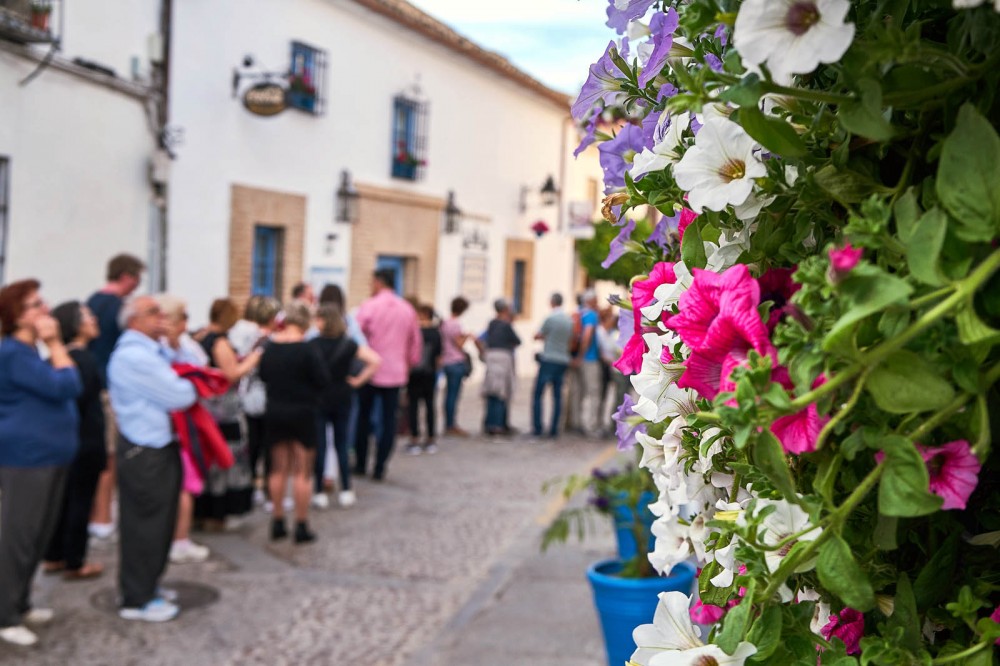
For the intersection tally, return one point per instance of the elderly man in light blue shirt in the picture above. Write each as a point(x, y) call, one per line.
point(144, 389)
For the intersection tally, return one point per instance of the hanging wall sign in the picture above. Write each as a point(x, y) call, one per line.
point(265, 99)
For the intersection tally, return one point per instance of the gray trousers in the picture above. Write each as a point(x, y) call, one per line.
point(149, 484)
point(29, 510)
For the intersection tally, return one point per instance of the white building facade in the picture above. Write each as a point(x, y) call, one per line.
point(76, 140)
point(412, 112)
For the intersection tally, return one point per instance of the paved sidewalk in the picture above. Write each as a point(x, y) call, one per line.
point(438, 566)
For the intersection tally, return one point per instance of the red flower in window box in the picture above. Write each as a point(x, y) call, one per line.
point(406, 158)
point(540, 228)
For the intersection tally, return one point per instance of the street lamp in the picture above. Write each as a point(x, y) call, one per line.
point(549, 192)
point(347, 199)
point(452, 213)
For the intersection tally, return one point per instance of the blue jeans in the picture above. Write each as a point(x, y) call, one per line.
point(496, 414)
point(454, 375)
point(548, 373)
point(388, 404)
point(340, 418)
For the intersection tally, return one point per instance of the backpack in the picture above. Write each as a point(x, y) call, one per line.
point(252, 391)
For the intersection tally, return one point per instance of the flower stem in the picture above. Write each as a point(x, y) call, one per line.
point(844, 411)
point(963, 290)
point(959, 656)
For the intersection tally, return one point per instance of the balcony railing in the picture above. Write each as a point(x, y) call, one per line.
point(30, 21)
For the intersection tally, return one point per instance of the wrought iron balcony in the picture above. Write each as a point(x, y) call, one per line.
point(30, 21)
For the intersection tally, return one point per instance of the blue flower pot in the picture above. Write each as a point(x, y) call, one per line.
point(625, 603)
point(624, 518)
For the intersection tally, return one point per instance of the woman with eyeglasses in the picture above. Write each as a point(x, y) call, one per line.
point(67, 551)
point(39, 437)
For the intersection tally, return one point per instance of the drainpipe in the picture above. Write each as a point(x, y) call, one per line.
point(161, 82)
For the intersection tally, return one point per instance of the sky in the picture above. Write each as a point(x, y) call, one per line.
point(555, 41)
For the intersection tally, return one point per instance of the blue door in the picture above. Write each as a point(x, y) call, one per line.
point(267, 265)
point(394, 264)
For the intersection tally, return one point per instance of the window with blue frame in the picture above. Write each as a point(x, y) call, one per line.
point(307, 78)
point(268, 263)
point(409, 138)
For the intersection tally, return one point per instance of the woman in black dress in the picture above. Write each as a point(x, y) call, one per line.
point(67, 551)
point(295, 377)
point(350, 367)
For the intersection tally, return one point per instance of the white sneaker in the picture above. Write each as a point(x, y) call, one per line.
point(19, 635)
point(39, 616)
point(321, 501)
point(414, 450)
point(347, 498)
point(157, 610)
point(185, 550)
point(101, 530)
point(259, 498)
point(268, 506)
point(430, 448)
point(168, 593)
point(288, 503)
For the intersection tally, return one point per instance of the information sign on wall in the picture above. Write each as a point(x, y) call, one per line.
point(473, 278)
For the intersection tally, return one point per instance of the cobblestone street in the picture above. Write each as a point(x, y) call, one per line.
point(439, 565)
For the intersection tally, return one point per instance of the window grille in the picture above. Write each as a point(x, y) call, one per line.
point(268, 261)
point(307, 79)
point(409, 138)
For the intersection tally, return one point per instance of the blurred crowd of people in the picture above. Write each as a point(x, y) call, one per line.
point(116, 397)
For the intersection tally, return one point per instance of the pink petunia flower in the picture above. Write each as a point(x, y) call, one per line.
point(687, 217)
point(954, 472)
point(776, 285)
point(849, 626)
point(798, 432)
point(630, 362)
point(842, 261)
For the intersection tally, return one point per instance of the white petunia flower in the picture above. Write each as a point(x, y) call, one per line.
point(786, 519)
point(719, 169)
point(792, 36)
point(673, 639)
point(969, 4)
point(821, 613)
point(656, 383)
point(665, 152)
point(672, 543)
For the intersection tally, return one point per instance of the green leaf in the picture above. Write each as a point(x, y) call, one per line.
point(844, 185)
point(777, 135)
point(745, 93)
point(906, 211)
point(973, 330)
point(864, 116)
point(841, 574)
point(968, 174)
point(693, 247)
point(905, 383)
point(936, 581)
point(904, 489)
point(924, 247)
point(734, 625)
point(766, 633)
point(866, 291)
point(905, 616)
point(769, 457)
point(884, 536)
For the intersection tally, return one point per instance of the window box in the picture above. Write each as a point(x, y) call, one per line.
point(306, 79)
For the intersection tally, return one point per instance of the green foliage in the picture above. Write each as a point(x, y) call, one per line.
point(593, 251)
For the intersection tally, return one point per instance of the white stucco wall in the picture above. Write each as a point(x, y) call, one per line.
point(487, 138)
point(78, 158)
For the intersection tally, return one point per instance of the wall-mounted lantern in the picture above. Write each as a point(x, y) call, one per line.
point(347, 199)
point(452, 214)
point(549, 192)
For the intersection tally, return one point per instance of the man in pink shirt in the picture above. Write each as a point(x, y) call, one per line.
point(390, 325)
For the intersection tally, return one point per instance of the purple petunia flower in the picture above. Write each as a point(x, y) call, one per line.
point(651, 135)
point(589, 130)
point(620, 12)
point(625, 326)
point(713, 62)
point(602, 84)
point(617, 155)
point(617, 249)
point(662, 230)
point(662, 28)
point(722, 34)
point(627, 424)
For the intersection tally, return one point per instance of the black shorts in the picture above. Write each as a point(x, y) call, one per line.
point(291, 425)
